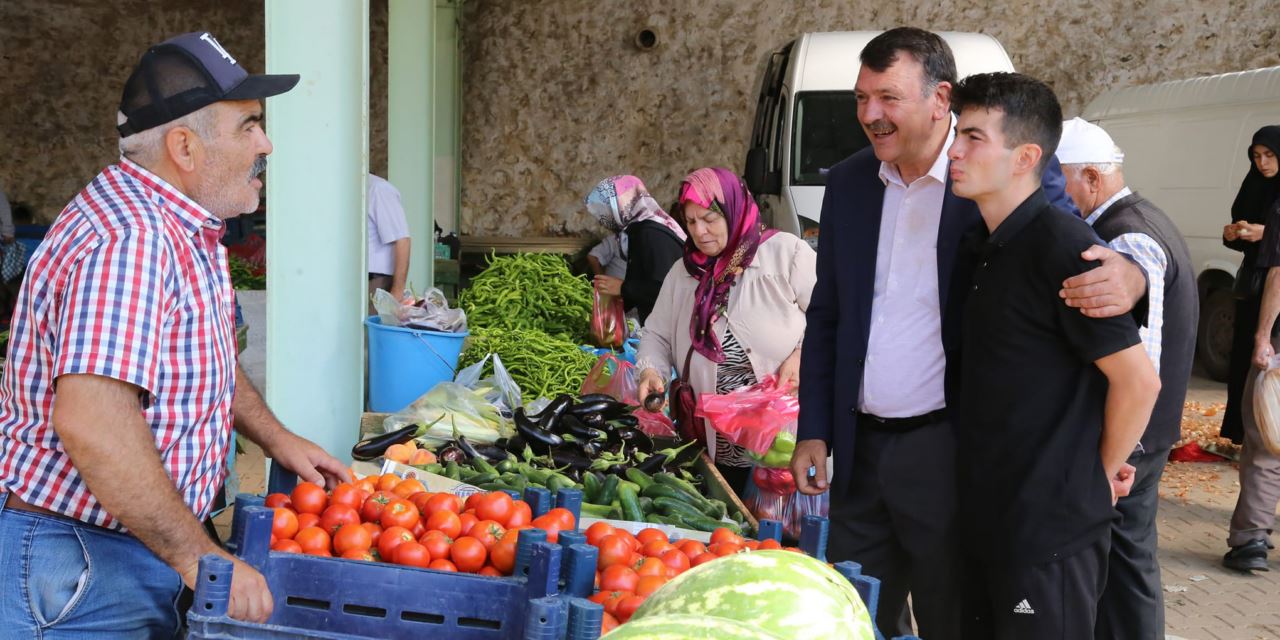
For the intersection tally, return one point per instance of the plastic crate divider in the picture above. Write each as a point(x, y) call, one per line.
point(813, 536)
point(255, 543)
point(570, 538)
point(539, 500)
point(585, 618)
point(770, 529)
point(570, 499)
point(579, 569)
point(525, 539)
point(546, 619)
point(238, 516)
point(213, 586)
point(280, 480)
point(867, 587)
point(544, 570)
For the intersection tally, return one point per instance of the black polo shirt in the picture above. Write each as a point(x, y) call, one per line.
point(1032, 485)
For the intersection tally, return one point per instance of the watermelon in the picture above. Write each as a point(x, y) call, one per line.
point(787, 594)
point(686, 627)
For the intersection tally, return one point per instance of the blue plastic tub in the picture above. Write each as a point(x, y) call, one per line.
point(406, 363)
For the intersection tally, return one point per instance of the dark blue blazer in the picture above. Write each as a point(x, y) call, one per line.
point(838, 321)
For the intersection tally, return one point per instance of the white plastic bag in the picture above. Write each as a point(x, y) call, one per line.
point(1266, 405)
point(500, 389)
point(431, 312)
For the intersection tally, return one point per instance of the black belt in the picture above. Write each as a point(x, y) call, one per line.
point(901, 424)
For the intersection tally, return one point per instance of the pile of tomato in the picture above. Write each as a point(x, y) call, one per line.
point(390, 519)
point(630, 567)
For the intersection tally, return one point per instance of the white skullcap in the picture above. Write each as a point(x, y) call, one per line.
point(1086, 143)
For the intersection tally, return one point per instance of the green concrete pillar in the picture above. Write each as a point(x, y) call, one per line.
point(448, 109)
point(316, 271)
point(410, 125)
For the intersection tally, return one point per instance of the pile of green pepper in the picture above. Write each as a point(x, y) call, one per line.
point(541, 365)
point(530, 291)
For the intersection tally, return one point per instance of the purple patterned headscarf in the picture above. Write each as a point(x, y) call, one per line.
point(722, 190)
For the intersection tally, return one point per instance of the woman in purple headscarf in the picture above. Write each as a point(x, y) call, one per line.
point(734, 306)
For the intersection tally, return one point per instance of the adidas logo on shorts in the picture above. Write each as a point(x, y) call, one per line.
point(1024, 607)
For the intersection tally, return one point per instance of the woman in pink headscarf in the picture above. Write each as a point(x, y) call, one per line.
point(734, 306)
point(649, 240)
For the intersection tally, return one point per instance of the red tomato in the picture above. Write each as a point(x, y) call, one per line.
point(650, 534)
point(387, 482)
point(496, 506)
point(655, 548)
point(703, 559)
point(357, 554)
point(598, 530)
point(338, 515)
point(367, 485)
point(277, 500)
point(313, 540)
point(418, 529)
point(550, 524)
point(503, 555)
point(722, 534)
point(352, 536)
point(473, 500)
point(443, 501)
point(442, 565)
point(420, 500)
point(371, 510)
point(675, 560)
point(446, 522)
point(770, 543)
point(608, 623)
point(611, 602)
point(468, 554)
point(412, 554)
point(648, 567)
point(375, 531)
point(627, 607)
point(618, 578)
point(347, 494)
point(691, 548)
point(309, 497)
point(521, 515)
point(489, 571)
point(408, 487)
point(287, 546)
point(487, 532)
point(751, 545)
point(726, 548)
point(437, 544)
point(565, 517)
point(399, 513)
point(308, 520)
point(284, 524)
point(391, 538)
point(468, 521)
point(648, 584)
point(613, 550)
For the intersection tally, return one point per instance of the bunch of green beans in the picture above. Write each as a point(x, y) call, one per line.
point(530, 291)
point(543, 366)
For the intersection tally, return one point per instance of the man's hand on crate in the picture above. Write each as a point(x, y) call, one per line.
point(250, 596)
point(810, 455)
point(306, 459)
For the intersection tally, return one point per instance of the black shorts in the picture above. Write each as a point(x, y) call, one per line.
point(1055, 600)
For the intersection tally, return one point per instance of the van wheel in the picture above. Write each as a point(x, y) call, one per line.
point(1217, 328)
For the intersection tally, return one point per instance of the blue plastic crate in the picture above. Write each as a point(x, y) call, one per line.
point(334, 598)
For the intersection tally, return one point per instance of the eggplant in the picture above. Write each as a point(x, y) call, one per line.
point(488, 452)
point(566, 458)
point(653, 463)
point(371, 448)
point(596, 397)
point(593, 420)
point(514, 444)
point(539, 440)
point(599, 406)
point(628, 420)
point(592, 448)
point(573, 426)
point(549, 419)
point(635, 438)
point(452, 453)
point(654, 401)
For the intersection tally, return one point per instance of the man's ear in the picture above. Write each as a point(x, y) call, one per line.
point(181, 145)
point(942, 97)
point(1027, 158)
point(1093, 179)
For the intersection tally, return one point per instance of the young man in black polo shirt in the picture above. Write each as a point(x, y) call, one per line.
point(1053, 401)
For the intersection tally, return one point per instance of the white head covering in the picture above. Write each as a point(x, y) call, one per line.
point(1086, 143)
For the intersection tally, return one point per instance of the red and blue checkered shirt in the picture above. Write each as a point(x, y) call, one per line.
point(130, 283)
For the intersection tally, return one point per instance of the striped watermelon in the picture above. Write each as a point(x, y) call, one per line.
point(787, 594)
point(686, 627)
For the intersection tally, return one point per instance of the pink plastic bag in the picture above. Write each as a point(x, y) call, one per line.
point(751, 417)
point(655, 424)
point(613, 376)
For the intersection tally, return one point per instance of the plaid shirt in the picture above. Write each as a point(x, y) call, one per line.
point(130, 283)
point(1150, 256)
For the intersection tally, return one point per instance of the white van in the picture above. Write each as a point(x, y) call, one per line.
point(1184, 143)
point(807, 118)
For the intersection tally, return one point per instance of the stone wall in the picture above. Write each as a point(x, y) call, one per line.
point(65, 63)
point(556, 96)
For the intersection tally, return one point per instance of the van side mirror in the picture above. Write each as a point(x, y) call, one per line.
point(759, 179)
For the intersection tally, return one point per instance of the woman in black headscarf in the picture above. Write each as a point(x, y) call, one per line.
point(1256, 198)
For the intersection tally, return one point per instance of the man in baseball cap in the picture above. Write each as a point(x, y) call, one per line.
point(121, 387)
point(1132, 605)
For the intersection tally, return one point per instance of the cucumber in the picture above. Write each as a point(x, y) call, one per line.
point(700, 522)
point(711, 508)
point(674, 507)
point(496, 486)
point(478, 479)
point(657, 518)
point(609, 490)
point(506, 466)
point(627, 483)
point(590, 487)
point(646, 505)
point(453, 472)
point(656, 490)
point(540, 476)
point(597, 510)
point(630, 504)
point(483, 466)
point(639, 477)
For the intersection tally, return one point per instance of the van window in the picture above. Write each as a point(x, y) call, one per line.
point(826, 132)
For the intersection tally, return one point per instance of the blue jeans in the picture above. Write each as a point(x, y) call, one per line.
point(65, 579)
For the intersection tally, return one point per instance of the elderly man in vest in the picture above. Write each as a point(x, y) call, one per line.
point(1131, 606)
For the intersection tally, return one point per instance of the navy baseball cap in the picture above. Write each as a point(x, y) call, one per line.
point(187, 73)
